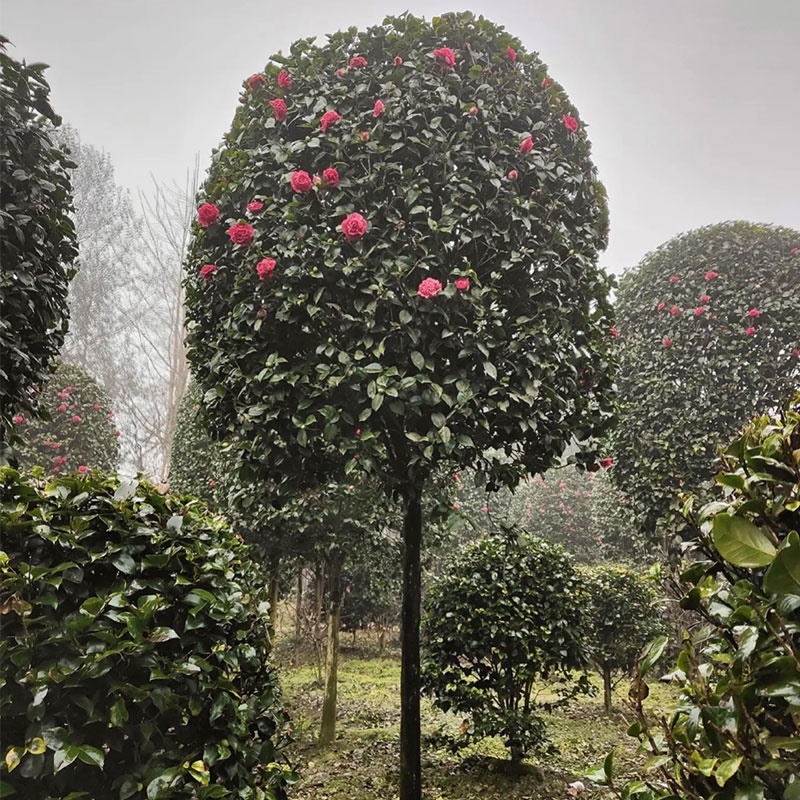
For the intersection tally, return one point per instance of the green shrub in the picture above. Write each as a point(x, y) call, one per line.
point(135, 652)
point(509, 613)
point(736, 732)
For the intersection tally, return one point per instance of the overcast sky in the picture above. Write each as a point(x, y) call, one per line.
point(692, 106)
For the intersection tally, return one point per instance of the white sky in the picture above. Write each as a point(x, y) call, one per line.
point(693, 106)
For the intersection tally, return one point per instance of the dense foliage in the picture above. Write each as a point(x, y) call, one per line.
point(37, 237)
point(135, 652)
point(736, 732)
point(708, 336)
point(78, 431)
point(509, 613)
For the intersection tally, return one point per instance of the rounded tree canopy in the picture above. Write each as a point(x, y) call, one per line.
point(396, 257)
point(37, 237)
point(709, 333)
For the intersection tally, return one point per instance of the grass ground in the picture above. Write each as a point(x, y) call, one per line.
point(363, 762)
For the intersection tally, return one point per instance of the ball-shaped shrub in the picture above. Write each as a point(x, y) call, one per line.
point(508, 614)
point(135, 651)
point(708, 336)
point(78, 433)
point(37, 236)
point(397, 255)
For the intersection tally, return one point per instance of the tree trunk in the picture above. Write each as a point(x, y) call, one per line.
point(327, 731)
point(273, 600)
point(607, 687)
point(298, 608)
point(516, 759)
point(410, 764)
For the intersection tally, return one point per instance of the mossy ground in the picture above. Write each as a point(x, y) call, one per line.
point(363, 762)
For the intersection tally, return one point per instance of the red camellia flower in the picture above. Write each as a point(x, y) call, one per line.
point(606, 462)
point(750, 331)
point(256, 81)
point(254, 206)
point(710, 275)
point(754, 313)
point(796, 353)
point(62, 407)
point(445, 56)
point(266, 268)
point(513, 175)
point(207, 271)
point(117, 433)
point(527, 145)
point(614, 331)
point(674, 279)
point(83, 469)
point(358, 62)
point(546, 82)
point(704, 298)
point(377, 109)
point(429, 288)
point(330, 177)
point(570, 123)
point(462, 284)
point(661, 306)
point(241, 233)
point(674, 311)
point(76, 418)
point(354, 226)
point(666, 341)
point(329, 118)
point(284, 79)
point(301, 181)
point(279, 109)
point(207, 214)
point(398, 60)
point(699, 311)
point(512, 54)
point(18, 419)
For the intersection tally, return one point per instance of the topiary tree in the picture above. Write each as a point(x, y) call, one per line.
point(625, 613)
point(708, 336)
point(136, 647)
point(395, 266)
point(508, 614)
point(78, 432)
point(37, 238)
point(736, 730)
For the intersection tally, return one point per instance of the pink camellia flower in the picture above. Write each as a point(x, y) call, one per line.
point(76, 418)
point(512, 54)
point(339, 73)
point(546, 82)
point(354, 226)
point(256, 81)
point(796, 352)
point(279, 109)
point(63, 395)
point(266, 268)
point(377, 109)
point(429, 288)
point(754, 313)
point(284, 79)
point(710, 275)
point(750, 331)
point(68, 389)
point(445, 56)
point(62, 408)
point(485, 509)
point(207, 214)
point(473, 112)
point(364, 136)
point(614, 331)
point(241, 233)
point(704, 298)
point(83, 469)
point(606, 462)
point(674, 311)
point(570, 123)
point(97, 406)
point(301, 181)
point(358, 431)
point(117, 433)
point(666, 341)
point(661, 306)
point(674, 279)
point(513, 175)
point(254, 206)
point(212, 483)
point(329, 118)
point(207, 271)
point(462, 284)
point(330, 177)
point(111, 413)
point(526, 145)
point(699, 311)
point(18, 419)
point(398, 60)
point(56, 469)
point(358, 62)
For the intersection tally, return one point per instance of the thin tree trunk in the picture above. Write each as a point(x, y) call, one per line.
point(607, 687)
point(410, 741)
point(298, 608)
point(273, 600)
point(327, 731)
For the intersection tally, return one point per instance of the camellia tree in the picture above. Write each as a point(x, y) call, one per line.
point(709, 334)
point(37, 238)
point(78, 433)
point(394, 266)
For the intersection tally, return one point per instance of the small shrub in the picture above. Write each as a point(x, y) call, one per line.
point(508, 614)
point(135, 652)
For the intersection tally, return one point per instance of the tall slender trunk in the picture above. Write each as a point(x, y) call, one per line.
point(298, 607)
point(410, 741)
point(327, 731)
point(607, 687)
point(273, 599)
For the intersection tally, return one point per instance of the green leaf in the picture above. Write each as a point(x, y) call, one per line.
point(651, 653)
point(6, 789)
point(741, 543)
point(417, 359)
point(490, 369)
point(91, 755)
point(36, 746)
point(783, 576)
point(726, 770)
